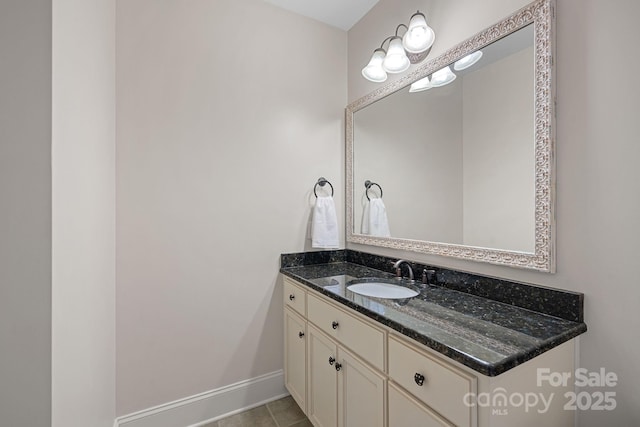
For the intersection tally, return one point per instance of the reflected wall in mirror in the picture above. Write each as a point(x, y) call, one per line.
point(467, 166)
point(467, 149)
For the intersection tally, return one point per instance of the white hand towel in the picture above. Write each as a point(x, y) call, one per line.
point(374, 219)
point(366, 218)
point(324, 226)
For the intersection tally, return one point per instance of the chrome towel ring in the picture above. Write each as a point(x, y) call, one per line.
point(368, 184)
point(321, 182)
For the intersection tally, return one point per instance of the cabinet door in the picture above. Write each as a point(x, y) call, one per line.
point(295, 357)
point(322, 405)
point(360, 393)
point(406, 411)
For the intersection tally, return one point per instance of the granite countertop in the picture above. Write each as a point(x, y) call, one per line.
point(488, 336)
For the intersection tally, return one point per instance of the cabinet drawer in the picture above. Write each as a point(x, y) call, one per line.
point(443, 387)
point(364, 339)
point(294, 296)
point(406, 411)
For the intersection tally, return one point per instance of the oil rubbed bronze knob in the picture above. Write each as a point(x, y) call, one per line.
point(301, 334)
point(334, 325)
point(419, 379)
point(292, 297)
point(331, 360)
point(338, 366)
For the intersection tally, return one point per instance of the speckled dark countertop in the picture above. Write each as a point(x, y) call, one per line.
point(488, 336)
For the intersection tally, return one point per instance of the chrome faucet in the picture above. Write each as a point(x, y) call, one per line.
point(398, 265)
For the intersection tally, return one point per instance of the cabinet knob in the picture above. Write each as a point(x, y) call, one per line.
point(338, 366)
point(331, 360)
point(301, 334)
point(292, 297)
point(419, 379)
point(334, 325)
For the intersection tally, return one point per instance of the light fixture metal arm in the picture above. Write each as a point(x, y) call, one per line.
point(401, 25)
point(384, 41)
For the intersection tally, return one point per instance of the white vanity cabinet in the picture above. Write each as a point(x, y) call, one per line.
point(295, 356)
point(360, 336)
point(406, 411)
point(346, 370)
point(295, 296)
point(295, 343)
point(323, 380)
point(343, 391)
point(438, 384)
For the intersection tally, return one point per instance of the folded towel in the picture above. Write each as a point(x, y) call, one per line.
point(324, 226)
point(366, 212)
point(374, 219)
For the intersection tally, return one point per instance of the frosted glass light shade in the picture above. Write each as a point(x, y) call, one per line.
point(442, 77)
point(396, 60)
point(419, 36)
point(374, 71)
point(467, 61)
point(420, 85)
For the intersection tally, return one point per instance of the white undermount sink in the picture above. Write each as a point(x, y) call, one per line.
point(382, 290)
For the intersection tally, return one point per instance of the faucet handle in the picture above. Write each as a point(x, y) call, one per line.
point(427, 275)
point(396, 267)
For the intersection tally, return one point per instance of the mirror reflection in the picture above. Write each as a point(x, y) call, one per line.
point(452, 156)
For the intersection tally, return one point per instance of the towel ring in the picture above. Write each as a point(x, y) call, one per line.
point(367, 185)
point(321, 182)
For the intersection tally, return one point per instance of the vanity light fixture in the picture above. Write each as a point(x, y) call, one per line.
point(419, 36)
point(442, 77)
point(403, 51)
point(467, 61)
point(445, 76)
point(396, 60)
point(374, 71)
point(420, 85)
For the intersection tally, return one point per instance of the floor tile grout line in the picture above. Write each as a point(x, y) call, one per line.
point(272, 416)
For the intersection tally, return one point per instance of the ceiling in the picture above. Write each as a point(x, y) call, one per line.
point(337, 13)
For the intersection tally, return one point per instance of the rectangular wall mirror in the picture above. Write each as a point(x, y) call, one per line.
point(464, 169)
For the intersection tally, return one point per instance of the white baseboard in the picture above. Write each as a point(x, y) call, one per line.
point(203, 408)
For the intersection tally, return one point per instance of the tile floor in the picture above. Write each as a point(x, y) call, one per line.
point(279, 413)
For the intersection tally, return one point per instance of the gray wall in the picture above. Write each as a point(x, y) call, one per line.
point(57, 231)
point(420, 172)
point(597, 175)
point(25, 213)
point(83, 188)
point(198, 138)
point(218, 150)
point(499, 169)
